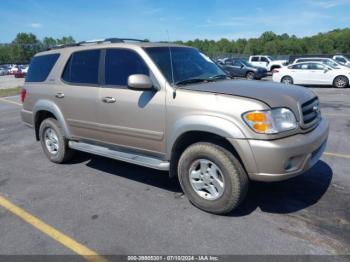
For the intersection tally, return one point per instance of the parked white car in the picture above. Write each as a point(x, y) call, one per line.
point(25, 70)
point(324, 60)
point(342, 59)
point(266, 62)
point(13, 69)
point(312, 73)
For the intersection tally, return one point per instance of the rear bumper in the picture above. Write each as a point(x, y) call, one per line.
point(27, 117)
point(285, 158)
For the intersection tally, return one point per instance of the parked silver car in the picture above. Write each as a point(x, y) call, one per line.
point(171, 108)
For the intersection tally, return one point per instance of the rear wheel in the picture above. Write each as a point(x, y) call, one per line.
point(212, 178)
point(287, 80)
point(341, 82)
point(54, 144)
point(250, 75)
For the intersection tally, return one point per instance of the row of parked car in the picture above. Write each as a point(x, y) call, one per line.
point(18, 71)
point(303, 70)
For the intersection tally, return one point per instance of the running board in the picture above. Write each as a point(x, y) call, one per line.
point(122, 156)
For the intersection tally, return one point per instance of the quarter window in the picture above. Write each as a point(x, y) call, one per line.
point(40, 67)
point(120, 64)
point(82, 67)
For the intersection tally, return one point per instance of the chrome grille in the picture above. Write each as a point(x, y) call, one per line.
point(311, 113)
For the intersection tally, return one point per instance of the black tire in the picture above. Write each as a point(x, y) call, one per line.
point(341, 82)
point(234, 176)
point(287, 80)
point(250, 75)
point(64, 153)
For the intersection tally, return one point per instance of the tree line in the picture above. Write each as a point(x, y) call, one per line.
point(25, 45)
point(269, 43)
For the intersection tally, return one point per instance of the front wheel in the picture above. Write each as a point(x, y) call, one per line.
point(212, 178)
point(250, 75)
point(341, 82)
point(287, 80)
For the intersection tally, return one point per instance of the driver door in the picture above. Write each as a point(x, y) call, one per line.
point(130, 118)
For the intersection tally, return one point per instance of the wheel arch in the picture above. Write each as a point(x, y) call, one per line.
point(44, 109)
point(342, 76)
point(200, 129)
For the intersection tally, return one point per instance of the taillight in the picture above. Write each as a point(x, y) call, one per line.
point(23, 94)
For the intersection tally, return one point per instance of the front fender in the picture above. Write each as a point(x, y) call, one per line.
point(47, 105)
point(203, 123)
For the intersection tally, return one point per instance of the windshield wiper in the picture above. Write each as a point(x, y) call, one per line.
point(200, 80)
point(191, 81)
point(221, 76)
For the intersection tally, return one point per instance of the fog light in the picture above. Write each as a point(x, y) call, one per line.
point(288, 164)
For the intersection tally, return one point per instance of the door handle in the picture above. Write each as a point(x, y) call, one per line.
point(109, 100)
point(59, 95)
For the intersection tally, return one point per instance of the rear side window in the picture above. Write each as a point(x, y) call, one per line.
point(40, 67)
point(82, 67)
point(255, 59)
point(120, 64)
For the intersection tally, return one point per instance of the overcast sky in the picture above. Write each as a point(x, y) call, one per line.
point(183, 19)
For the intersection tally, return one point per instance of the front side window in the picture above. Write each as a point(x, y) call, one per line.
point(298, 66)
point(237, 63)
point(264, 59)
point(40, 67)
point(120, 64)
point(178, 64)
point(82, 67)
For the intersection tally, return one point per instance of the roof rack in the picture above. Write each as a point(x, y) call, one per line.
point(98, 41)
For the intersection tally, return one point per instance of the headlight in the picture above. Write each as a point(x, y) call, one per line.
point(270, 121)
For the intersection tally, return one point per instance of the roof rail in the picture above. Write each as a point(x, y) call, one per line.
point(99, 41)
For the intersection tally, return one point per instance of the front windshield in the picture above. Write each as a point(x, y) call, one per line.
point(269, 57)
point(188, 63)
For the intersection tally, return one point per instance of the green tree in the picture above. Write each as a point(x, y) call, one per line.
point(24, 46)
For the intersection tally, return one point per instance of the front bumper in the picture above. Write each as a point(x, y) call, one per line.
point(281, 159)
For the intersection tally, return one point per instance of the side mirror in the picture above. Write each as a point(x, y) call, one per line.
point(242, 66)
point(326, 70)
point(140, 82)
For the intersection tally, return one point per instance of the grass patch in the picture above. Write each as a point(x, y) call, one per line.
point(10, 91)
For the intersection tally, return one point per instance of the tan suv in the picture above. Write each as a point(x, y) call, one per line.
point(169, 107)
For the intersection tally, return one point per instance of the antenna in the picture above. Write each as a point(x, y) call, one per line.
point(171, 60)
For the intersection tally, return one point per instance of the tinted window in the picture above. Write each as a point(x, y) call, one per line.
point(313, 66)
point(264, 59)
point(295, 66)
point(255, 59)
point(40, 67)
point(340, 59)
point(237, 63)
point(82, 67)
point(187, 63)
point(120, 64)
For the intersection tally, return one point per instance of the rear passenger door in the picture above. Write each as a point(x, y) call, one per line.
point(77, 95)
point(132, 119)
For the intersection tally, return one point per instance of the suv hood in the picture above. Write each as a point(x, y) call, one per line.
point(272, 94)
